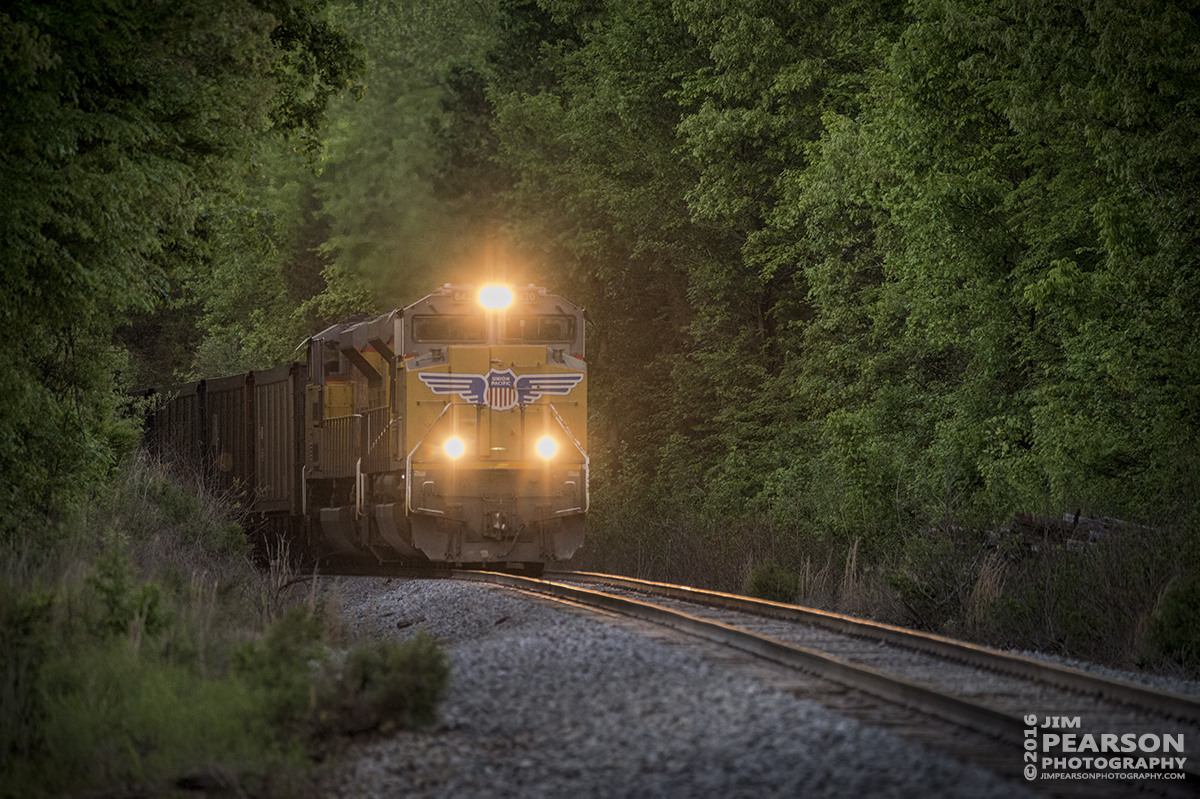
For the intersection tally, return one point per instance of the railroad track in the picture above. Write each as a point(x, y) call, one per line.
point(981, 696)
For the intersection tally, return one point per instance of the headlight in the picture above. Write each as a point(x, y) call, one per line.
point(455, 447)
point(546, 447)
point(495, 297)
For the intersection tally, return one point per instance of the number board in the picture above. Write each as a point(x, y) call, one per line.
point(463, 295)
point(527, 296)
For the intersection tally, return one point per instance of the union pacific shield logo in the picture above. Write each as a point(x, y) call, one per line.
point(500, 390)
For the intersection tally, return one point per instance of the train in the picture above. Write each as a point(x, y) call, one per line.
point(451, 431)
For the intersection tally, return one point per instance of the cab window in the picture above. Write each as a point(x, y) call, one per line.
point(540, 329)
point(449, 329)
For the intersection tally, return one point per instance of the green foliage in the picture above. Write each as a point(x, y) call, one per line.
point(113, 717)
point(280, 665)
point(374, 684)
point(108, 649)
point(1095, 601)
point(1175, 626)
point(598, 205)
point(769, 580)
point(128, 127)
point(931, 580)
point(384, 683)
point(899, 276)
point(402, 680)
point(122, 601)
point(100, 668)
point(162, 520)
point(314, 61)
point(390, 235)
point(26, 619)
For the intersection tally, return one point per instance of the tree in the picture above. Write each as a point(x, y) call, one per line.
point(392, 234)
point(127, 127)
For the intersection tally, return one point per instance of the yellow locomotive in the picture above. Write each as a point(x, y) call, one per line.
point(453, 430)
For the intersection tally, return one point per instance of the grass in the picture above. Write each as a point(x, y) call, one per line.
point(141, 648)
point(1130, 600)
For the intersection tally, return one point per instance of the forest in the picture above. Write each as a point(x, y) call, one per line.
point(894, 306)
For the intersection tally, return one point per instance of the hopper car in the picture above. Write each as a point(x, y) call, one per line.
point(450, 431)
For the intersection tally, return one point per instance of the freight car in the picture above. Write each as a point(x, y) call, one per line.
point(452, 430)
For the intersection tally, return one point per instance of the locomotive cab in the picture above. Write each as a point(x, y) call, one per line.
point(453, 430)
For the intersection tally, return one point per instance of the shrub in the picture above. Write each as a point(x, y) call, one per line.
point(113, 716)
point(375, 684)
point(25, 646)
point(123, 599)
point(932, 580)
point(1174, 630)
point(149, 657)
point(280, 665)
point(384, 684)
point(768, 580)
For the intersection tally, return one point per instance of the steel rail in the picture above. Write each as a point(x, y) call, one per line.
point(1142, 697)
point(952, 708)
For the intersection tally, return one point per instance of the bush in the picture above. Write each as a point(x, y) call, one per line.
point(1174, 630)
point(279, 666)
point(384, 684)
point(25, 646)
point(930, 581)
point(158, 651)
point(768, 580)
point(113, 716)
point(305, 688)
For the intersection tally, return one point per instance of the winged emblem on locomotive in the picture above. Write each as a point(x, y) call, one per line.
point(500, 390)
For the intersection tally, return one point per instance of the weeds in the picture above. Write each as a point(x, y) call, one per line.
point(769, 580)
point(1128, 599)
point(148, 648)
point(280, 576)
point(988, 588)
point(382, 684)
point(1174, 627)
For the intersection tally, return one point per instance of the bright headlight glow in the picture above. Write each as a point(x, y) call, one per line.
point(546, 447)
point(455, 447)
point(495, 297)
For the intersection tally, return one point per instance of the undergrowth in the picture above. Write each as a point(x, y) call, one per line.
point(1130, 599)
point(140, 648)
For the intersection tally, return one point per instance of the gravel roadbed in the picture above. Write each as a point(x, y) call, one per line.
point(1014, 695)
point(1160, 682)
point(544, 703)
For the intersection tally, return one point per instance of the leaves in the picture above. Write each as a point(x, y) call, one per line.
point(866, 267)
point(128, 127)
point(932, 257)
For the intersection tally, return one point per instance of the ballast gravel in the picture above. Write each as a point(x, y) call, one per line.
point(1159, 682)
point(544, 703)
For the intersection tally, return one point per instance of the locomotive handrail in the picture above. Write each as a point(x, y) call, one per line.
point(408, 460)
point(587, 463)
point(358, 488)
point(341, 443)
point(378, 422)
